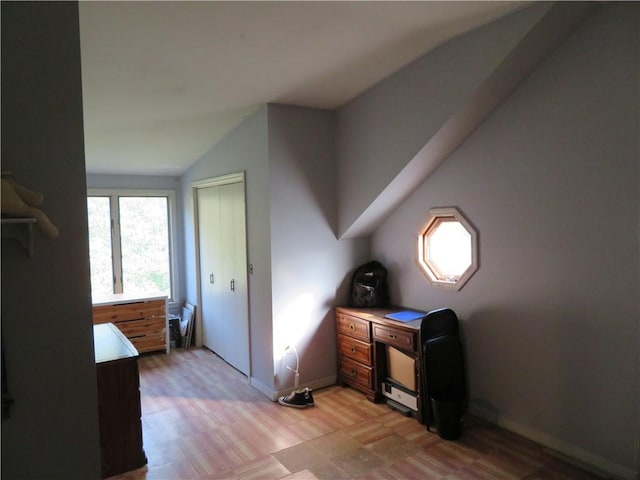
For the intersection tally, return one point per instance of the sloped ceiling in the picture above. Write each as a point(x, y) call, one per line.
point(361, 211)
point(163, 82)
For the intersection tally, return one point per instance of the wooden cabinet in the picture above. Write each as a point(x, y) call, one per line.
point(119, 411)
point(363, 334)
point(143, 321)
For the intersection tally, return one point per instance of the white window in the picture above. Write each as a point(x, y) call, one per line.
point(447, 248)
point(130, 240)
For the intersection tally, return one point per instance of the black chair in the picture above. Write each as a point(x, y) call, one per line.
point(439, 322)
point(443, 371)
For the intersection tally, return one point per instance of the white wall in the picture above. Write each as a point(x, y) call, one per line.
point(287, 153)
point(299, 265)
point(551, 182)
point(47, 332)
point(310, 266)
point(244, 149)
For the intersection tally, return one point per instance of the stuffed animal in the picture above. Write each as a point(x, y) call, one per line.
point(19, 201)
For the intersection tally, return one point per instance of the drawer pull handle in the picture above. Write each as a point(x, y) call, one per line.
point(391, 335)
point(352, 326)
point(353, 349)
point(354, 373)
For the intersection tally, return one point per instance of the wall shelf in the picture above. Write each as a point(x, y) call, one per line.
point(21, 230)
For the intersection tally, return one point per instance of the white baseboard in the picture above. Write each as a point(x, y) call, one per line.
point(261, 387)
point(580, 457)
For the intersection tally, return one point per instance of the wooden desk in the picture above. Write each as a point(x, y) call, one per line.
point(363, 335)
point(118, 401)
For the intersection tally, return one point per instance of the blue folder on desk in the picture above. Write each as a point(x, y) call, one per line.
point(406, 315)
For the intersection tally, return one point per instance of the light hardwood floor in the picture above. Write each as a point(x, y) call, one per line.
point(202, 420)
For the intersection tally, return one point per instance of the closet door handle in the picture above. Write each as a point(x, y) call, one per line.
point(233, 285)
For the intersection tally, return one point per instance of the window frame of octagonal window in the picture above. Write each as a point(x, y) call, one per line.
point(438, 216)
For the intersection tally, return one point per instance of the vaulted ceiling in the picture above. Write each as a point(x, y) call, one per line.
point(163, 82)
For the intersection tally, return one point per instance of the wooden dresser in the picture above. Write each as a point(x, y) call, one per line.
point(143, 320)
point(118, 401)
point(362, 337)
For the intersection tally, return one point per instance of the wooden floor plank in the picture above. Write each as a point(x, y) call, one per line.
point(202, 420)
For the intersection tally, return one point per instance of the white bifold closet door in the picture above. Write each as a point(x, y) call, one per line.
point(223, 272)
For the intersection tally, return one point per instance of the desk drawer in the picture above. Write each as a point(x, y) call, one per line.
point(355, 349)
point(398, 338)
point(352, 371)
point(353, 327)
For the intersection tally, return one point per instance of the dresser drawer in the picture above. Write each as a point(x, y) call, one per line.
point(127, 311)
point(355, 349)
point(149, 343)
point(353, 327)
point(352, 371)
point(143, 327)
point(398, 338)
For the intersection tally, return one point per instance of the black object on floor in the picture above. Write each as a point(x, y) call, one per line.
point(448, 411)
point(296, 399)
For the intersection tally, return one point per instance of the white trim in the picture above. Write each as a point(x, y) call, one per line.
point(222, 180)
point(262, 388)
point(566, 451)
point(116, 243)
point(429, 270)
point(236, 177)
point(131, 192)
point(113, 194)
point(196, 250)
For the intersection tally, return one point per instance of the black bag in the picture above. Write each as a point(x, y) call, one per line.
point(369, 286)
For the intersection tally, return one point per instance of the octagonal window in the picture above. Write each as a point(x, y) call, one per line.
point(447, 248)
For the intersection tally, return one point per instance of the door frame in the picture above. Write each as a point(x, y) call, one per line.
point(237, 177)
